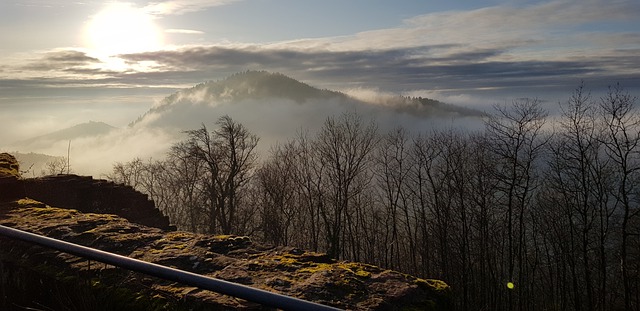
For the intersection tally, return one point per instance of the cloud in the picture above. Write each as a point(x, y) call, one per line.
point(503, 26)
point(183, 6)
point(371, 95)
point(397, 70)
point(492, 49)
point(498, 52)
point(184, 31)
point(61, 60)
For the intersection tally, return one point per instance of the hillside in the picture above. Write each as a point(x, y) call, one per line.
point(281, 99)
point(83, 130)
point(241, 87)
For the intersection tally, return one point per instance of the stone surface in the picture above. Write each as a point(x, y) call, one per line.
point(82, 193)
point(10, 186)
point(34, 276)
point(96, 196)
point(9, 166)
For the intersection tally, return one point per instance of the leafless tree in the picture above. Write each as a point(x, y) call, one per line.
point(344, 148)
point(622, 144)
point(516, 137)
point(229, 156)
point(277, 183)
point(391, 171)
point(579, 177)
point(58, 166)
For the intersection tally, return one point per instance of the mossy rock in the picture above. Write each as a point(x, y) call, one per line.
point(9, 166)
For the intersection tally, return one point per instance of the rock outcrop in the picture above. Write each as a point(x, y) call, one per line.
point(34, 276)
point(89, 195)
point(10, 186)
point(82, 193)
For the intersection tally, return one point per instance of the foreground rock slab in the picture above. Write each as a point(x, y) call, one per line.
point(37, 277)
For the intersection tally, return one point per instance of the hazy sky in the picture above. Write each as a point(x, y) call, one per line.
point(63, 62)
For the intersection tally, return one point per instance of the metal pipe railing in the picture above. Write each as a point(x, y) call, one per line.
point(224, 287)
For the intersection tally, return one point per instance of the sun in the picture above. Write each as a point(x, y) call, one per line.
point(121, 28)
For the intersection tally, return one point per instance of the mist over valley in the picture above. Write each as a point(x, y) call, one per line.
point(271, 105)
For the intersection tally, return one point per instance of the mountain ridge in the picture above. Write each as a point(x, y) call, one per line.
point(87, 129)
point(243, 86)
point(267, 86)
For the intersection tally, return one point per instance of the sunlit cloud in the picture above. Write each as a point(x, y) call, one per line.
point(183, 6)
point(184, 31)
point(544, 27)
point(61, 60)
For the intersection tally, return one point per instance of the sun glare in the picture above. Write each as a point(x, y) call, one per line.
point(121, 28)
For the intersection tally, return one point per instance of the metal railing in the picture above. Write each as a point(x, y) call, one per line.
point(188, 278)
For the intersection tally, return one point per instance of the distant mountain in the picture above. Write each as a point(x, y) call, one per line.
point(249, 86)
point(271, 99)
point(84, 130)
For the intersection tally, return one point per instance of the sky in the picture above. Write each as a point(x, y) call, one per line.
point(64, 62)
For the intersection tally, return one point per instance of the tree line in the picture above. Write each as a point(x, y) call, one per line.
point(550, 205)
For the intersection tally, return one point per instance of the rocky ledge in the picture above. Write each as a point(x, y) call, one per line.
point(10, 187)
point(41, 278)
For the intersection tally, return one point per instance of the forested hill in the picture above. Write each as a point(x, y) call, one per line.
point(88, 129)
point(274, 91)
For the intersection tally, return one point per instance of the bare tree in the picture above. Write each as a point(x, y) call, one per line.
point(344, 148)
point(279, 207)
point(392, 169)
point(427, 186)
point(58, 166)
point(229, 154)
point(622, 144)
point(579, 176)
point(183, 177)
point(516, 137)
point(128, 173)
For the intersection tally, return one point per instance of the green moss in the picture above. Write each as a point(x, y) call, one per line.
point(285, 260)
point(362, 273)
point(179, 246)
point(352, 268)
point(316, 267)
point(223, 237)
point(358, 269)
point(435, 285)
point(178, 235)
point(26, 202)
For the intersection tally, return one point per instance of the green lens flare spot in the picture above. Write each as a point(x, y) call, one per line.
point(510, 285)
